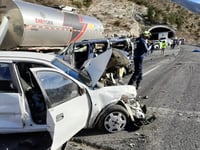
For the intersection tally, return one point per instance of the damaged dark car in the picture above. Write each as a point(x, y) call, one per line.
point(120, 62)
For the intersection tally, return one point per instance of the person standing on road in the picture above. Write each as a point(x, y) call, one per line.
point(163, 47)
point(139, 54)
point(173, 44)
point(160, 44)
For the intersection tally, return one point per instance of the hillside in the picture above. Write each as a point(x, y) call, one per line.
point(130, 17)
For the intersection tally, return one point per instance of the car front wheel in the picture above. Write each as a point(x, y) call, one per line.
point(114, 119)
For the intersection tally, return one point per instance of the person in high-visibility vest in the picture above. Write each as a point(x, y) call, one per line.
point(160, 45)
point(121, 73)
point(163, 47)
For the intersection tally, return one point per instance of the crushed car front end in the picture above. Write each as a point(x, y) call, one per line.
point(105, 98)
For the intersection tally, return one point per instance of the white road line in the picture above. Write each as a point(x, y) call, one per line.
point(149, 71)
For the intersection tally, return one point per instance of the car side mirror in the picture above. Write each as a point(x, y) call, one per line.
point(81, 90)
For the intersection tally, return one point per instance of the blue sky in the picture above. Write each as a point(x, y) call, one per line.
point(196, 1)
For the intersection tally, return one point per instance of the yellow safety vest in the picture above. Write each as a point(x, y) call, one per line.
point(164, 45)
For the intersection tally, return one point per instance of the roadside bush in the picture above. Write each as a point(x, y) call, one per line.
point(141, 2)
point(172, 19)
point(154, 15)
point(179, 20)
point(87, 3)
point(78, 4)
point(116, 23)
point(151, 13)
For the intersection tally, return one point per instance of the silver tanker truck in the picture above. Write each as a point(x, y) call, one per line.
point(29, 26)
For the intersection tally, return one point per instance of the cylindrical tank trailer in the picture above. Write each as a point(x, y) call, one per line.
point(31, 25)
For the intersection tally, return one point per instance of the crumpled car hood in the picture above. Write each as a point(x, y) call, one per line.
point(96, 66)
point(105, 61)
point(114, 93)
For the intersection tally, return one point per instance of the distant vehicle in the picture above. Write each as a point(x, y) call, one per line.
point(36, 98)
point(156, 44)
point(79, 52)
point(29, 26)
point(163, 36)
point(167, 40)
point(182, 41)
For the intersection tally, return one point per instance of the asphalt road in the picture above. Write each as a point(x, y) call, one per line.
point(172, 83)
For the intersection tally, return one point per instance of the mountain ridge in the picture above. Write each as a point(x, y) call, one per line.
point(194, 7)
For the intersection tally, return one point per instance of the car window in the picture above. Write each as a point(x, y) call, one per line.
point(5, 72)
point(6, 84)
point(23, 66)
point(66, 68)
point(100, 47)
point(24, 72)
point(81, 53)
point(80, 48)
point(85, 77)
point(163, 38)
point(69, 50)
point(59, 89)
point(123, 44)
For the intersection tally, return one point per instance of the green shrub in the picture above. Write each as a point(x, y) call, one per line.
point(87, 3)
point(172, 19)
point(116, 23)
point(141, 2)
point(151, 13)
point(77, 4)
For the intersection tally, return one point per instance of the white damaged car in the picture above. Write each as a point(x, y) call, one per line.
point(40, 92)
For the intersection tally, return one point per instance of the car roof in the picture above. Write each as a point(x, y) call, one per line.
point(26, 55)
point(95, 40)
point(119, 39)
point(103, 40)
point(114, 39)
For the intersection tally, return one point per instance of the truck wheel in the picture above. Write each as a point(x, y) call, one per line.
point(114, 119)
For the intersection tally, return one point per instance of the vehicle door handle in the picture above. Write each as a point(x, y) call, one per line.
point(59, 117)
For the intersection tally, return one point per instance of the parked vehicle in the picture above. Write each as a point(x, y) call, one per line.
point(167, 40)
point(156, 44)
point(40, 92)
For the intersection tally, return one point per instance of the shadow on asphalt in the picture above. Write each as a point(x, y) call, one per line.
point(25, 141)
point(91, 132)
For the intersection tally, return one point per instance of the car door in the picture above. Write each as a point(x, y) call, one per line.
point(11, 101)
point(68, 106)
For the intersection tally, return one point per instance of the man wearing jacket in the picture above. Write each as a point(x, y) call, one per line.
point(139, 54)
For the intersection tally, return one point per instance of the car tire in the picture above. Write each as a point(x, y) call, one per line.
point(114, 119)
